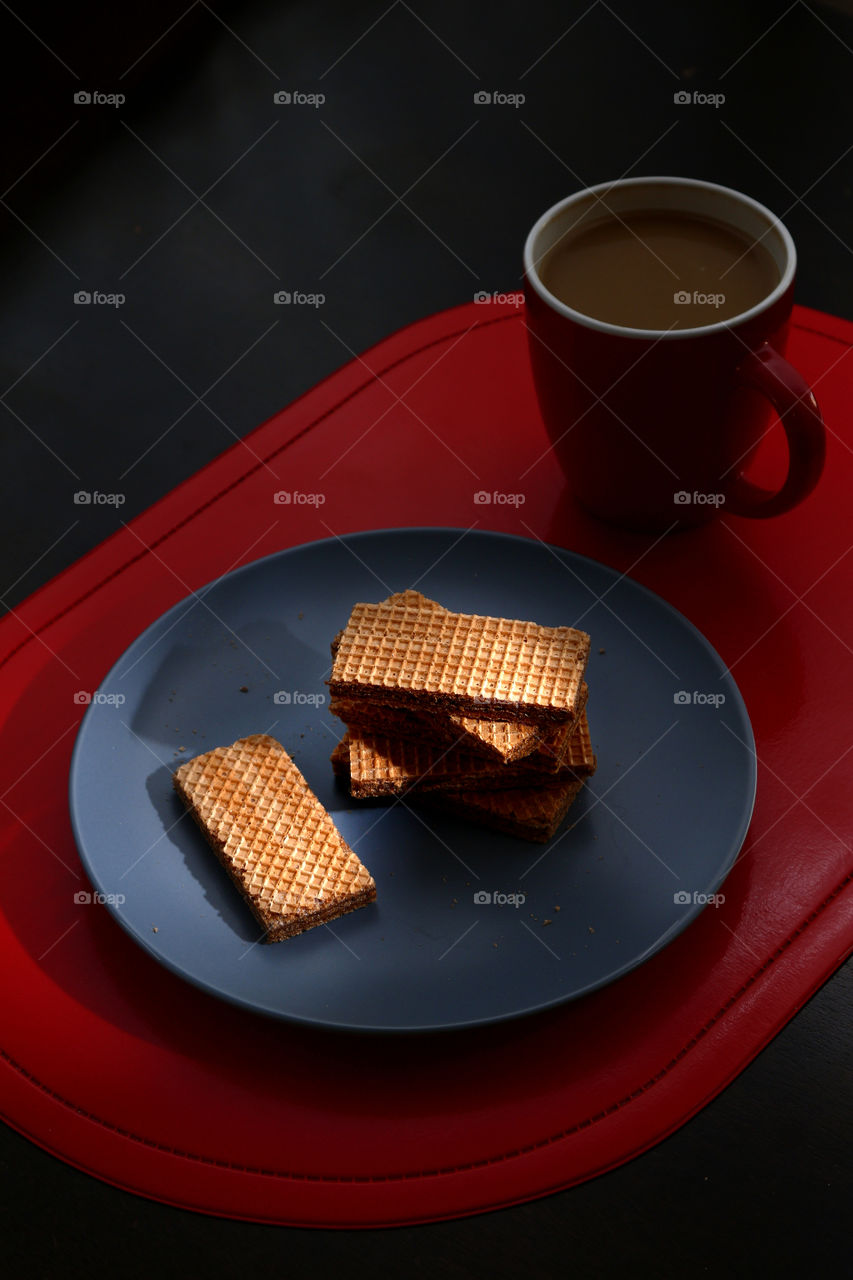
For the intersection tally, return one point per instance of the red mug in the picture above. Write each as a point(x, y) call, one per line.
point(654, 428)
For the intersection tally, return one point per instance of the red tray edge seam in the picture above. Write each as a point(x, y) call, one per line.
point(602, 1114)
point(506, 1202)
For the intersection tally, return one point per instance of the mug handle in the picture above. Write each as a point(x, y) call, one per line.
point(767, 372)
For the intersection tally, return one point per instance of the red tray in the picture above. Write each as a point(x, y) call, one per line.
point(117, 1066)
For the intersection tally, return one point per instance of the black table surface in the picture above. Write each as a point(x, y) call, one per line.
point(383, 185)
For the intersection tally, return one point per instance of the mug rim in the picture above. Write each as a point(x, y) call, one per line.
point(604, 326)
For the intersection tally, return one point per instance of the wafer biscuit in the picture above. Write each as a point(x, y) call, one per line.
point(509, 744)
point(494, 739)
point(504, 739)
point(273, 836)
point(383, 765)
point(532, 813)
point(501, 739)
point(579, 756)
point(340, 760)
point(483, 667)
point(498, 739)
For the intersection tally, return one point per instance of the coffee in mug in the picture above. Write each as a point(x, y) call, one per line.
point(657, 311)
point(659, 270)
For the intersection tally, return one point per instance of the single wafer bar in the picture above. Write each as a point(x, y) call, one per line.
point(485, 667)
point(383, 765)
point(273, 836)
point(497, 740)
point(494, 739)
point(502, 740)
point(533, 813)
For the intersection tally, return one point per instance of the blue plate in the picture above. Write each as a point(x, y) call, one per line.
point(470, 926)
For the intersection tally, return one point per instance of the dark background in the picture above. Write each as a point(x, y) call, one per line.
point(198, 198)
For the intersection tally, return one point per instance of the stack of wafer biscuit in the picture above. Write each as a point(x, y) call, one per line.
point(482, 717)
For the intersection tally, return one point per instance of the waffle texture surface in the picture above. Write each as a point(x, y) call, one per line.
point(533, 813)
point(489, 668)
point(273, 836)
point(381, 764)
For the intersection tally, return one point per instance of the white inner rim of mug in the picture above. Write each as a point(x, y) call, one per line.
point(685, 195)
